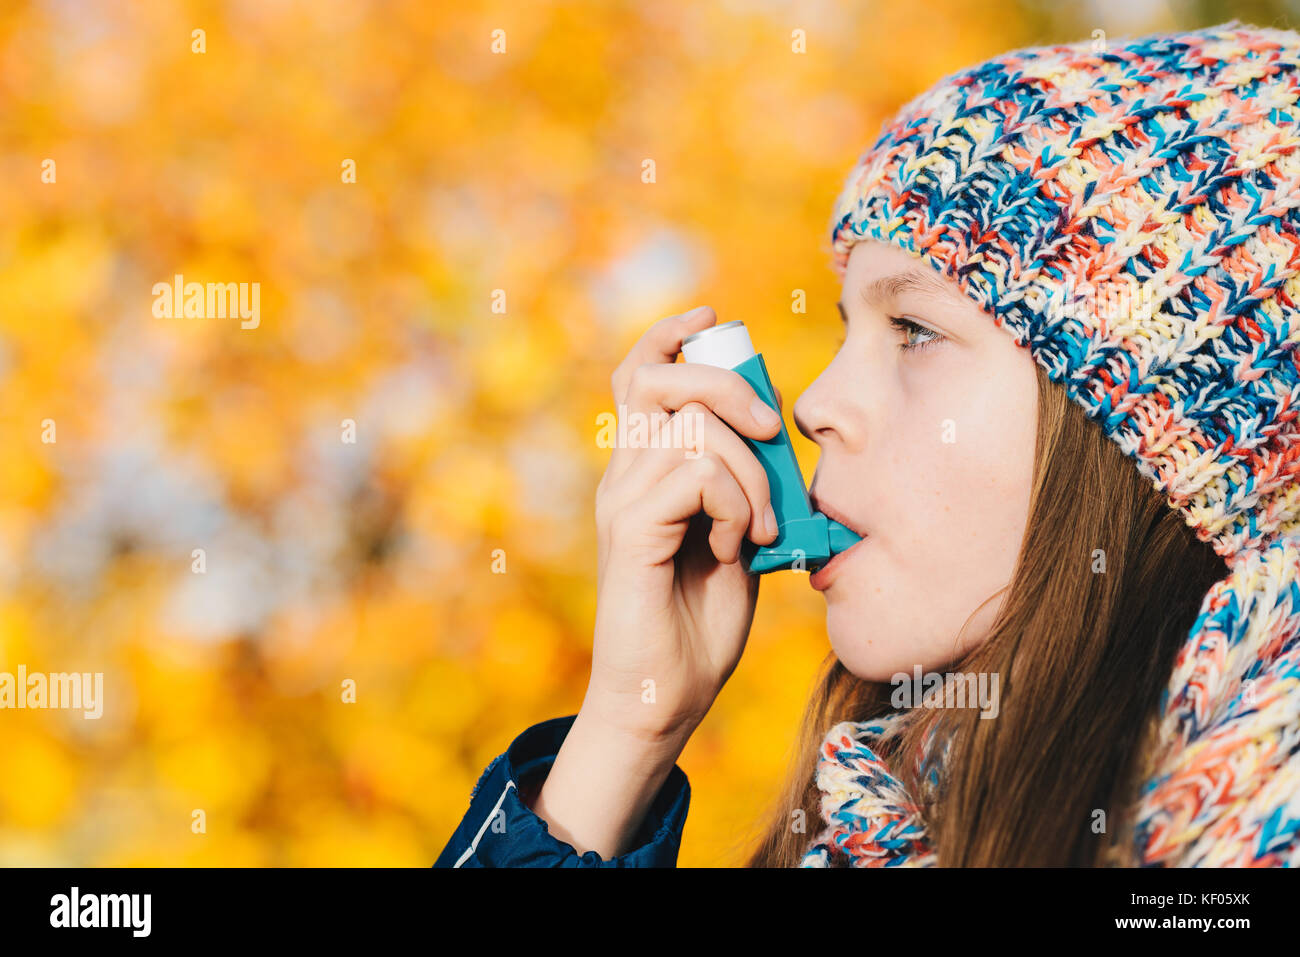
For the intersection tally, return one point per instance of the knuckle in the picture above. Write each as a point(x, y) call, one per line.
point(708, 466)
point(743, 512)
point(740, 385)
point(636, 381)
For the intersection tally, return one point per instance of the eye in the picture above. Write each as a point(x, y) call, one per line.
point(906, 326)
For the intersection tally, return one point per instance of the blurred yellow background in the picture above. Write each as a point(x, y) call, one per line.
point(328, 561)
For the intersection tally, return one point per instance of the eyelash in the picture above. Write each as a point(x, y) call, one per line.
point(898, 322)
point(906, 325)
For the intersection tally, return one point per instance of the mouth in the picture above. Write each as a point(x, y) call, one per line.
point(835, 514)
point(822, 578)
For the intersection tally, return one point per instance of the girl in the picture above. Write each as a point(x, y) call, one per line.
point(1063, 419)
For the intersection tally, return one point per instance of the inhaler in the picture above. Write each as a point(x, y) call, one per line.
point(806, 539)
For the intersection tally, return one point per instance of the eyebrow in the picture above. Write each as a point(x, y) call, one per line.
point(886, 289)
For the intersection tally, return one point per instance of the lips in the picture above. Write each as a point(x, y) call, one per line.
point(835, 514)
point(822, 578)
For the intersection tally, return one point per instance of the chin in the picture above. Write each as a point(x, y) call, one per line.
point(880, 672)
point(869, 657)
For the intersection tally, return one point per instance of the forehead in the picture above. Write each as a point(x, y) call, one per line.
point(880, 273)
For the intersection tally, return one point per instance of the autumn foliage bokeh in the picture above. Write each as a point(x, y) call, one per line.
point(371, 562)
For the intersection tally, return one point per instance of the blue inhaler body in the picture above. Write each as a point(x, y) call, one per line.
point(806, 539)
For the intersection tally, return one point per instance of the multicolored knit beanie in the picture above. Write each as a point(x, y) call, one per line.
point(1167, 167)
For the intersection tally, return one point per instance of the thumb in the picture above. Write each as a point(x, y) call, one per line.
point(778, 398)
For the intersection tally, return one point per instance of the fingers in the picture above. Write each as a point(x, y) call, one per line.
point(656, 391)
point(722, 391)
point(698, 484)
point(659, 345)
point(699, 432)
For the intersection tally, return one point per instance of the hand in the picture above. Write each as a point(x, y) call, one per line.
point(674, 601)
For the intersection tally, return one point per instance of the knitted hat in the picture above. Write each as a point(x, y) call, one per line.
point(1166, 167)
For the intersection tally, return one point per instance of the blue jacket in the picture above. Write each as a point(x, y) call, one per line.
point(522, 839)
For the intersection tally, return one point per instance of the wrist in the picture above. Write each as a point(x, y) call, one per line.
point(602, 784)
point(643, 733)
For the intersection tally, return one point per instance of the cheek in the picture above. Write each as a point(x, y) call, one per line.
point(952, 497)
point(963, 494)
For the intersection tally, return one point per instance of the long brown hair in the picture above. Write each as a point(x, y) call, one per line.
point(1082, 654)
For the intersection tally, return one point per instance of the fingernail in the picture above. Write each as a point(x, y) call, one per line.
point(769, 519)
point(764, 413)
point(691, 314)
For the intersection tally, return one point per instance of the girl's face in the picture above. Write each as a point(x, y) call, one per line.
point(927, 438)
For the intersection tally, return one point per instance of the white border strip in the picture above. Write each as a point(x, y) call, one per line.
point(482, 830)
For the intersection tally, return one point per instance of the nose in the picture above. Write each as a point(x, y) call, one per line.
point(824, 412)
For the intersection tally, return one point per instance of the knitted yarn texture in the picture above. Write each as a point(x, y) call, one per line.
point(1166, 171)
